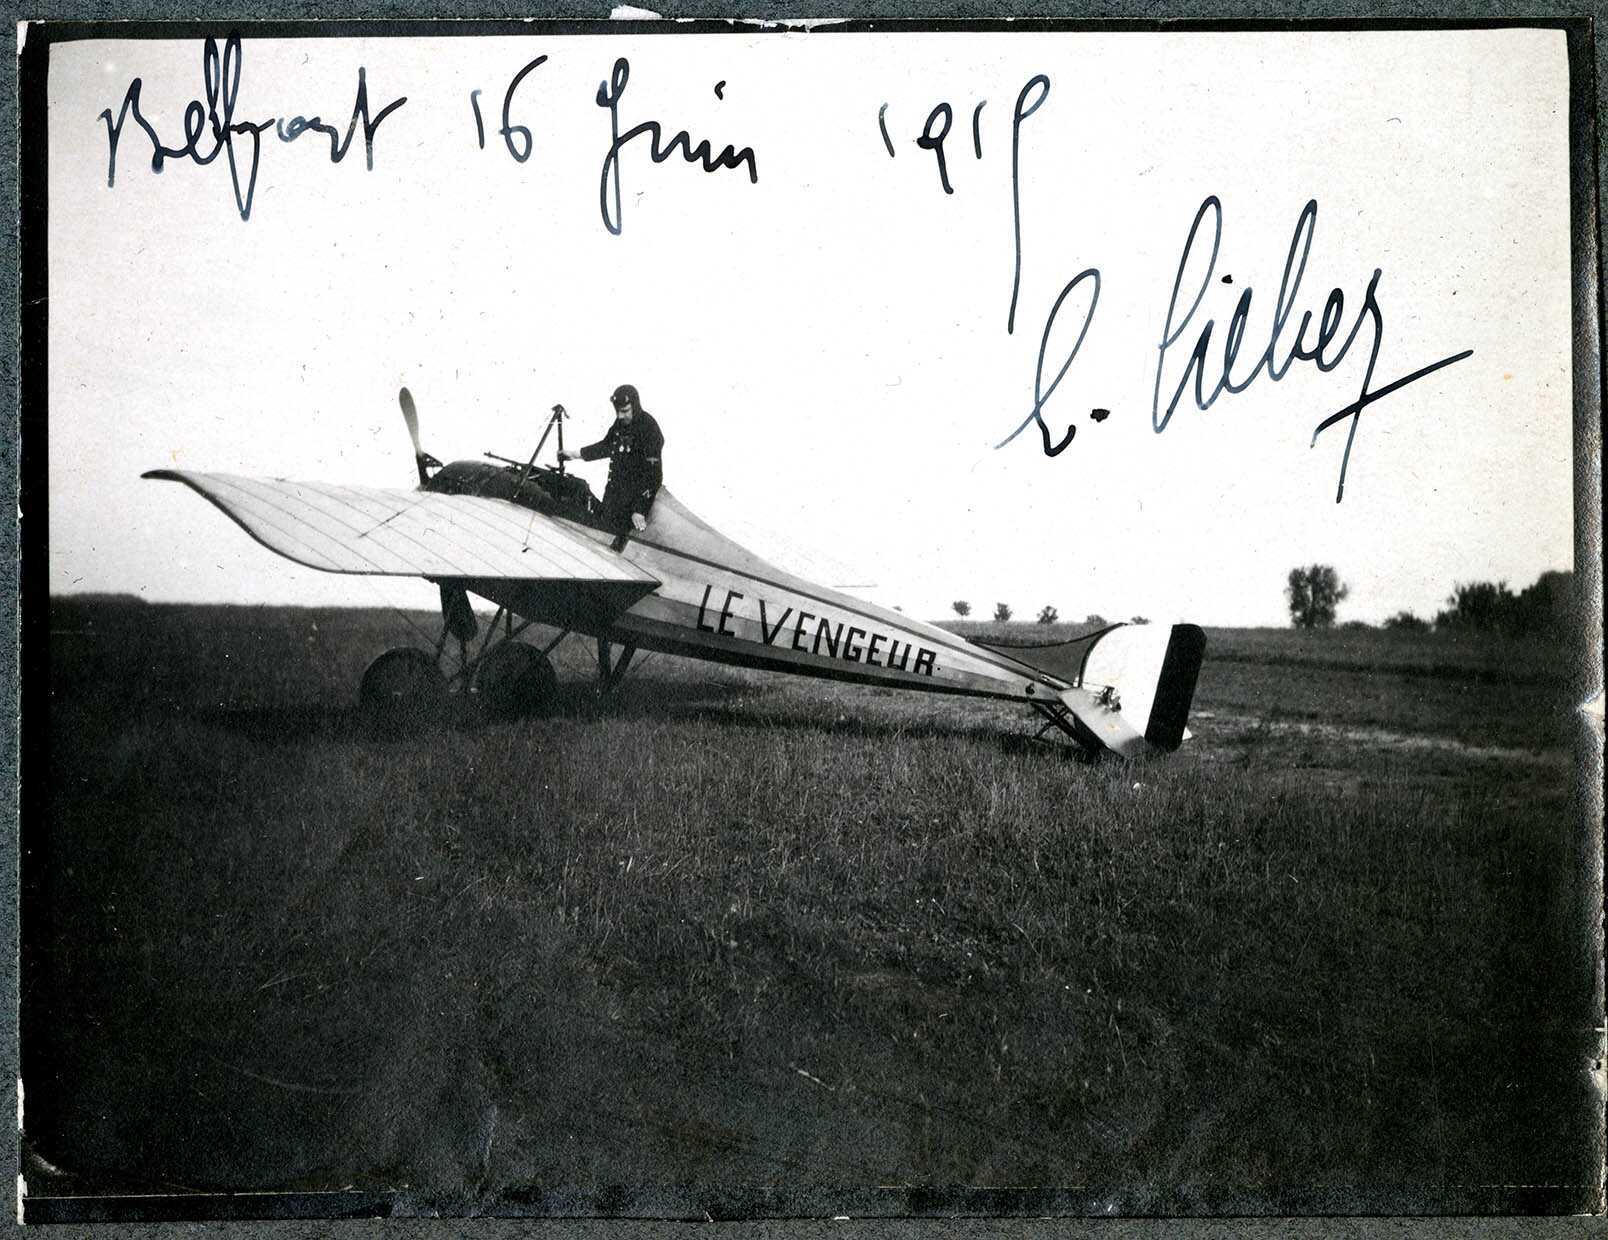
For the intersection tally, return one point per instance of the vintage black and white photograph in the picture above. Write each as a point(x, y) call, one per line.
point(727, 620)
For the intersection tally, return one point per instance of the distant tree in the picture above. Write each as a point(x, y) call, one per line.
point(1314, 593)
point(1479, 606)
point(1049, 616)
point(1002, 612)
point(1545, 607)
point(1094, 620)
point(1539, 610)
point(1138, 620)
point(1405, 621)
point(962, 608)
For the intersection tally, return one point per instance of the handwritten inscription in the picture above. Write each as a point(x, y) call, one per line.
point(608, 96)
point(807, 633)
point(1320, 349)
point(1028, 101)
point(1196, 356)
point(215, 118)
point(521, 149)
point(1041, 393)
point(1325, 349)
point(211, 129)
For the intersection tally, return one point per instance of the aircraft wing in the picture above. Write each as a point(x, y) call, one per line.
point(407, 533)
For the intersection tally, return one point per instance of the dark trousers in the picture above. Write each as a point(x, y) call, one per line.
point(616, 516)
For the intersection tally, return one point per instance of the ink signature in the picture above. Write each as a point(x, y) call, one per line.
point(1322, 349)
point(1316, 350)
point(221, 79)
point(1042, 394)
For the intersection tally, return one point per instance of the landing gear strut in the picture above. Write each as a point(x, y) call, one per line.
point(1058, 715)
point(610, 672)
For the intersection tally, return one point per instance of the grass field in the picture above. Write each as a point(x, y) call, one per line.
point(737, 929)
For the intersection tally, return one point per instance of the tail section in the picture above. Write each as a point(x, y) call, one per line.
point(1136, 686)
point(1132, 685)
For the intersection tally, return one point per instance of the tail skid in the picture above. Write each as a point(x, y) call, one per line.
point(1132, 685)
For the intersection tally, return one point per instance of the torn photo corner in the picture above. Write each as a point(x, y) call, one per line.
point(757, 614)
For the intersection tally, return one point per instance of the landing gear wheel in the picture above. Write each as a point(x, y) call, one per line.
point(403, 690)
point(515, 681)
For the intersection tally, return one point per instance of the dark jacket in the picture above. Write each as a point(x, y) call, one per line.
point(636, 469)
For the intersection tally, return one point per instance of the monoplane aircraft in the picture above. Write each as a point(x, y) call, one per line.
point(530, 539)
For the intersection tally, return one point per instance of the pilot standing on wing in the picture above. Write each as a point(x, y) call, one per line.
point(635, 447)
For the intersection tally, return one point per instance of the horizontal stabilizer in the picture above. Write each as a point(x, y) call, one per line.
point(1062, 660)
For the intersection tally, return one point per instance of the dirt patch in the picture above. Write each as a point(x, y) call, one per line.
point(1381, 738)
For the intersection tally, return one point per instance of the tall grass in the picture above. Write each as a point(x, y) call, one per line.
point(733, 929)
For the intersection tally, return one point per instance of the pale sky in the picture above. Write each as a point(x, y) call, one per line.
point(826, 349)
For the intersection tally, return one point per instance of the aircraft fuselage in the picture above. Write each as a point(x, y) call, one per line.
point(718, 601)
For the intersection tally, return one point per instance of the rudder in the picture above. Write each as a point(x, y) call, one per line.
point(1137, 685)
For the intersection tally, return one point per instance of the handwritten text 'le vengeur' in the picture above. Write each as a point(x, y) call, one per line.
point(1205, 371)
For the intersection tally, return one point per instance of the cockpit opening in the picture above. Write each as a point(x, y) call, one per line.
point(539, 487)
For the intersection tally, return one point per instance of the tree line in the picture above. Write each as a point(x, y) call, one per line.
point(1048, 614)
point(1314, 593)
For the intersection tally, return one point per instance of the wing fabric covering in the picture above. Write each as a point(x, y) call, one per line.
point(377, 531)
